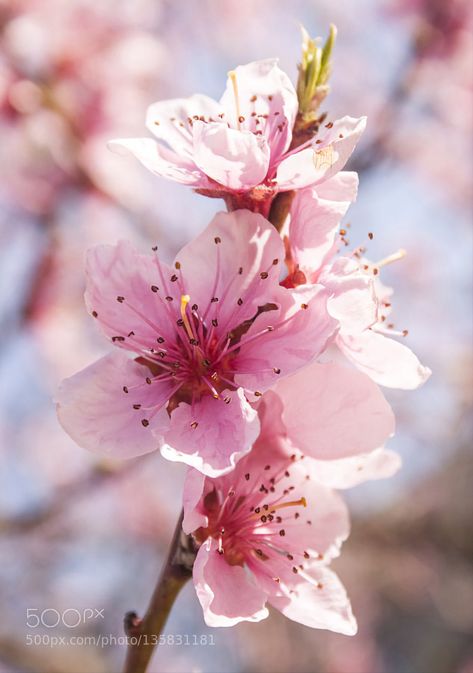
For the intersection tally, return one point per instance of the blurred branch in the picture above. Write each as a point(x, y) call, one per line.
point(64, 497)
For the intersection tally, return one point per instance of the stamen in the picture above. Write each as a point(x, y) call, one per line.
point(293, 503)
point(233, 79)
point(273, 508)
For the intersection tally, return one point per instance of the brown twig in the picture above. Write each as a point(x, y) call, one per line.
point(143, 634)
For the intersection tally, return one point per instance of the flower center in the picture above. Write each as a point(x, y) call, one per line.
point(248, 528)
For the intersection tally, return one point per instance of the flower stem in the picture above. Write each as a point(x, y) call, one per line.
point(143, 634)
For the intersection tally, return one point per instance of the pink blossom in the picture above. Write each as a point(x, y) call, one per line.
point(269, 529)
point(208, 336)
point(359, 301)
point(240, 147)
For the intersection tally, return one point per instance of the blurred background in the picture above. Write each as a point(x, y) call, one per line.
point(78, 533)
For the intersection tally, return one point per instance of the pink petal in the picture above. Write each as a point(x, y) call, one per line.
point(319, 162)
point(340, 187)
point(321, 603)
point(169, 120)
point(95, 411)
point(384, 360)
point(194, 517)
point(235, 159)
point(224, 434)
point(353, 302)
point(160, 160)
point(331, 411)
point(275, 97)
point(348, 472)
point(246, 241)
point(313, 228)
point(327, 513)
point(119, 271)
point(299, 335)
point(226, 592)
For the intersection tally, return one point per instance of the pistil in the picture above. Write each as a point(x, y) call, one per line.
point(234, 81)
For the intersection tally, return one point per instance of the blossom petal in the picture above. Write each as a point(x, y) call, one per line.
point(313, 165)
point(313, 228)
point(224, 433)
point(96, 412)
point(267, 101)
point(171, 120)
point(341, 187)
point(226, 592)
point(238, 246)
point(235, 159)
point(192, 492)
point(324, 522)
point(353, 302)
point(301, 328)
point(348, 472)
point(119, 282)
point(332, 411)
point(321, 603)
point(384, 360)
point(160, 160)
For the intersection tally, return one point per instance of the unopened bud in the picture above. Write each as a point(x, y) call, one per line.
point(314, 71)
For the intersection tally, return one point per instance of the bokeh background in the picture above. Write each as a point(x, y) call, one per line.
point(77, 532)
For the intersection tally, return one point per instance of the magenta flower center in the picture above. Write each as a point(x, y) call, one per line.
point(252, 522)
